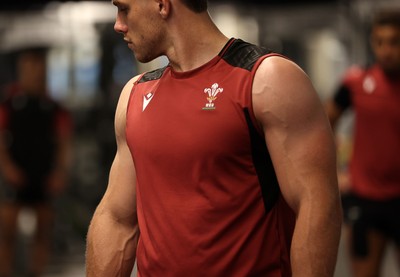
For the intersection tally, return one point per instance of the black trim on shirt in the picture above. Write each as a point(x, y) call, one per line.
point(263, 164)
point(152, 75)
point(243, 54)
point(226, 47)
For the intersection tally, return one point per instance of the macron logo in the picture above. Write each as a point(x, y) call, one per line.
point(146, 99)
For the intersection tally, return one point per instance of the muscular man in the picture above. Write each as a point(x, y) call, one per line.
point(225, 163)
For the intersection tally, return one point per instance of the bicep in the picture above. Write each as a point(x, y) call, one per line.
point(120, 196)
point(297, 132)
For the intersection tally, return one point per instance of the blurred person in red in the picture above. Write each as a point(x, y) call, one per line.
point(34, 157)
point(371, 187)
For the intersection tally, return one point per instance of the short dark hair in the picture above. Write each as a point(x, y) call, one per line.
point(197, 6)
point(387, 17)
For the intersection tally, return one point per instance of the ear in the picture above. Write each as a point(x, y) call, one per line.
point(164, 8)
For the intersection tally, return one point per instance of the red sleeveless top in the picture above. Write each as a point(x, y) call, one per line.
point(208, 200)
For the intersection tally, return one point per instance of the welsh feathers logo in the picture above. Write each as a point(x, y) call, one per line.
point(212, 96)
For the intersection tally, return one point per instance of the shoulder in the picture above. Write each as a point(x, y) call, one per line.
point(276, 65)
point(281, 89)
point(126, 90)
point(120, 113)
point(277, 74)
point(61, 111)
point(354, 73)
point(135, 81)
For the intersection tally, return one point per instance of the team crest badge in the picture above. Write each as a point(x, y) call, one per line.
point(212, 96)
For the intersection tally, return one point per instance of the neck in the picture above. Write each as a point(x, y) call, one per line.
point(193, 41)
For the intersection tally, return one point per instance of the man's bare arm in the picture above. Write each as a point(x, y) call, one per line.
point(301, 145)
point(114, 232)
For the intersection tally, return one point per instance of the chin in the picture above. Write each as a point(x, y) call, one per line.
point(144, 58)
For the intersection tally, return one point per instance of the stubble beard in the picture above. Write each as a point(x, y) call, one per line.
point(150, 51)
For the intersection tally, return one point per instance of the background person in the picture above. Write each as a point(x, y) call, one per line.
point(34, 159)
point(372, 187)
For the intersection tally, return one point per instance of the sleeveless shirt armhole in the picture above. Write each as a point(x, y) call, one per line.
point(130, 96)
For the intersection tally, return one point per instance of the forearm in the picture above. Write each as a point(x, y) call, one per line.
point(316, 239)
point(111, 246)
